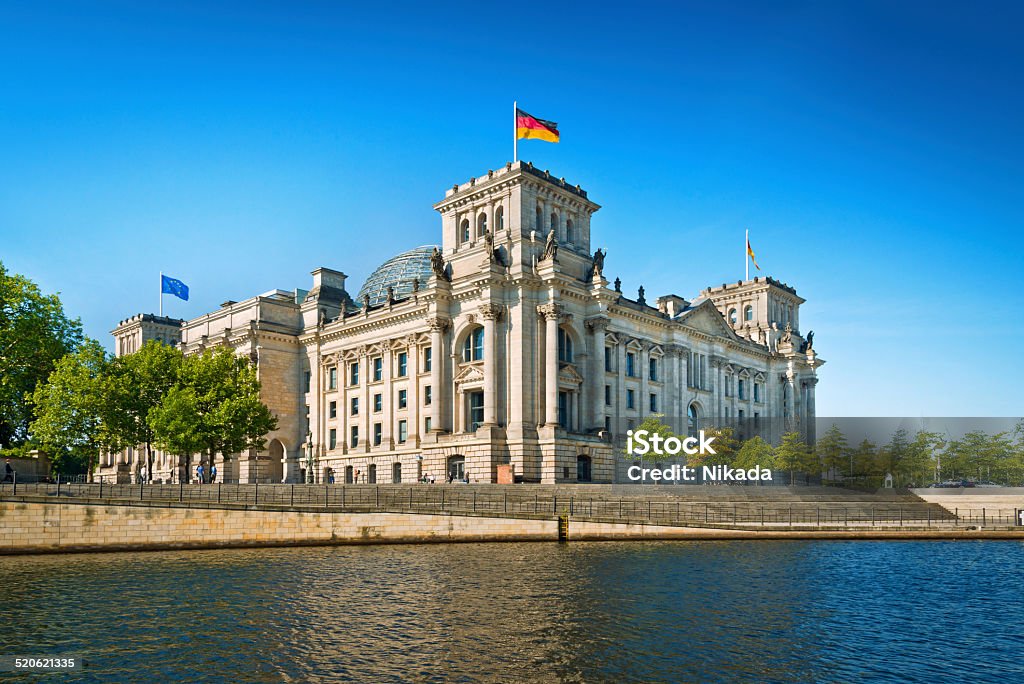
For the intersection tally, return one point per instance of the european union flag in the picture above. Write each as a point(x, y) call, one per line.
point(173, 286)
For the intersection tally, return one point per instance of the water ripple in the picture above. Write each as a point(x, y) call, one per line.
point(821, 611)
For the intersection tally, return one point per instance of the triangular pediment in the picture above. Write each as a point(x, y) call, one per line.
point(569, 375)
point(470, 374)
point(706, 318)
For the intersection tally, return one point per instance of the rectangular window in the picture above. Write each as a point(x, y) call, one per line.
point(353, 374)
point(426, 424)
point(608, 359)
point(630, 364)
point(354, 406)
point(607, 395)
point(403, 431)
point(476, 409)
point(378, 434)
point(728, 412)
point(607, 424)
point(403, 364)
point(564, 407)
point(403, 398)
point(378, 403)
point(654, 403)
point(378, 369)
point(743, 389)
point(428, 359)
point(306, 380)
point(354, 437)
point(332, 411)
point(757, 391)
point(428, 395)
point(332, 439)
point(630, 399)
point(653, 369)
point(332, 378)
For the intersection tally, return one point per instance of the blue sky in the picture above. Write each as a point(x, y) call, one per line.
point(872, 148)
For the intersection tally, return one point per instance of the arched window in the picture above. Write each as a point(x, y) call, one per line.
point(692, 419)
point(456, 468)
point(554, 221)
point(481, 224)
point(473, 347)
point(540, 223)
point(499, 219)
point(564, 346)
point(748, 313)
point(464, 230)
point(732, 316)
point(570, 236)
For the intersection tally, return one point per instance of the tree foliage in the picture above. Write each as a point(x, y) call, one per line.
point(69, 410)
point(755, 452)
point(795, 456)
point(34, 335)
point(833, 451)
point(215, 407)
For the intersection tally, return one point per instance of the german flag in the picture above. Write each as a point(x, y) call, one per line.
point(531, 128)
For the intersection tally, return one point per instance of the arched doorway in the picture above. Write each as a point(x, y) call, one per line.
point(348, 474)
point(456, 468)
point(273, 467)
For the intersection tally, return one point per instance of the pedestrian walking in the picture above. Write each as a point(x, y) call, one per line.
point(199, 473)
point(8, 471)
point(213, 474)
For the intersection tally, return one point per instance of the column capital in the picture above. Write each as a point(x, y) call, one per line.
point(550, 311)
point(490, 312)
point(438, 323)
point(597, 323)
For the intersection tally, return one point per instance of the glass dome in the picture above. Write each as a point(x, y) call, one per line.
point(397, 272)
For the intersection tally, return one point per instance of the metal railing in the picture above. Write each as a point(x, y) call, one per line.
point(518, 501)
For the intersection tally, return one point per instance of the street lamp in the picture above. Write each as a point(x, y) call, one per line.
point(309, 457)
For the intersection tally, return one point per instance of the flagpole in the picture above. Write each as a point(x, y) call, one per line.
point(161, 294)
point(746, 253)
point(515, 132)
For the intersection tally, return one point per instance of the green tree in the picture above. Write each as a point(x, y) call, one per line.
point(136, 384)
point(865, 459)
point(34, 334)
point(724, 445)
point(978, 455)
point(755, 452)
point(654, 425)
point(833, 452)
point(69, 409)
point(794, 455)
point(918, 465)
point(215, 407)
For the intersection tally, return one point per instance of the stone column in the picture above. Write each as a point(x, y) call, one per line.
point(387, 400)
point(437, 327)
point(550, 312)
point(644, 404)
point(490, 313)
point(596, 380)
point(413, 405)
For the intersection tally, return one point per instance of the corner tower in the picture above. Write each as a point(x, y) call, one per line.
point(518, 207)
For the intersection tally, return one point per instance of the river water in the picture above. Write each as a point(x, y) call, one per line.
point(774, 611)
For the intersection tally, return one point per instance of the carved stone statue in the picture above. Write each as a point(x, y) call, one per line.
point(489, 246)
point(598, 262)
point(391, 294)
point(640, 296)
point(551, 246)
point(618, 284)
point(810, 340)
point(437, 264)
point(787, 335)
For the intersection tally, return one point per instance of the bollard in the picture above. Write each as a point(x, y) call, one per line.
point(554, 504)
point(15, 481)
point(376, 494)
point(474, 501)
point(58, 485)
point(571, 505)
point(256, 495)
point(181, 490)
point(327, 495)
point(218, 491)
point(292, 502)
point(982, 517)
point(101, 487)
point(504, 501)
point(762, 516)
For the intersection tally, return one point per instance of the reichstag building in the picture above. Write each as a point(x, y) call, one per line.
point(502, 355)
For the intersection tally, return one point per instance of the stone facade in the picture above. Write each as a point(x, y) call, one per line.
point(504, 346)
